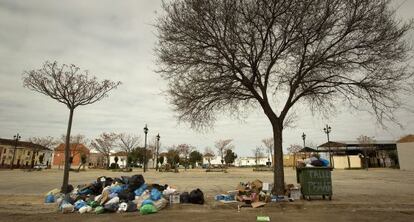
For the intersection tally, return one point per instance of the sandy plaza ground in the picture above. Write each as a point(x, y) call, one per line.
point(359, 195)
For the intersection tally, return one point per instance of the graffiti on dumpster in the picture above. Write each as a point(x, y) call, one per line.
point(319, 186)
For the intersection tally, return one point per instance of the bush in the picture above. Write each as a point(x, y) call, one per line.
point(114, 166)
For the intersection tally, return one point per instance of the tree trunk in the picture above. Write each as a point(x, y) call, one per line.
point(67, 154)
point(278, 171)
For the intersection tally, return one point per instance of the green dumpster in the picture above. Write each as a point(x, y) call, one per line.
point(315, 181)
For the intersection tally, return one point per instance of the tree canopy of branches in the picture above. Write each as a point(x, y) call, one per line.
point(70, 86)
point(230, 157)
point(229, 56)
point(128, 142)
point(222, 146)
point(105, 144)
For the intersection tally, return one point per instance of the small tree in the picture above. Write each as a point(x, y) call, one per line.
point(222, 146)
point(269, 144)
point(258, 153)
point(184, 150)
point(105, 144)
point(173, 156)
point(195, 157)
point(209, 154)
point(127, 143)
point(230, 56)
point(84, 160)
point(368, 145)
point(230, 157)
point(75, 145)
point(294, 149)
point(67, 85)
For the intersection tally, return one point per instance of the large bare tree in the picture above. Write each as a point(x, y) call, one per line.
point(105, 144)
point(229, 56)
point(128, 142)
point(222, 146)
point(70, 86)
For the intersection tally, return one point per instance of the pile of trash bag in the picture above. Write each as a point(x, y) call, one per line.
point(314, 161)
point(124, 194)
point(257, 194)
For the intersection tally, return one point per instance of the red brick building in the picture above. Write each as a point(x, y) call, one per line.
point(76, 151)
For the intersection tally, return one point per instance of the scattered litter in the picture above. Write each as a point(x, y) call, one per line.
point(263, 219)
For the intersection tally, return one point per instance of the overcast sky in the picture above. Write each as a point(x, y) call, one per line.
point(115, 40)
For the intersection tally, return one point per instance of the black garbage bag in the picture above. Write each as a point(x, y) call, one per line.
point(122, 180)
point(317, 163)
point(126, 195)
point(132, 206)
point(196, 197)
point(113, 207)
point(135, 182)
point(159, 187)
point(185, 197)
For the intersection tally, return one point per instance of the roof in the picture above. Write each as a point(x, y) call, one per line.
point(333, 144)
point(73, 147)
point(307, 150)
point(406, 139)
point(24, 144)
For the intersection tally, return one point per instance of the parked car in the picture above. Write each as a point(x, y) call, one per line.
point(40, 166)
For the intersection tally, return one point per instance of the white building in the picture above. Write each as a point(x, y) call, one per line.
point(122, 159)
point(212, 159)
point(250, 161)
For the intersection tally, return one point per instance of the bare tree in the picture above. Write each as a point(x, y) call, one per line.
point(128, 143)
point(48, 142)
point(222, 146)
point(269, 144)
point(209, 155)
point(233, 55)
point(185, 150)
point(294, 149)
point(68, 85)
point(258, 153)
point(368, 145)
point(105, 144)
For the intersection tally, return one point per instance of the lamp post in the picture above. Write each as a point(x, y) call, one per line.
point(158, 150)
point(16, 138)
point(304, 138)
point(145, 148)
point(327, 130)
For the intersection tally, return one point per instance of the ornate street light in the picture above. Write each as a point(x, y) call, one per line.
point(158, 150)
point(16, 138)
point(145, 148)
point(327, 130)
point(304, 138)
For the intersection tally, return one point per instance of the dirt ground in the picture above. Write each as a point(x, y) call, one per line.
point(359, 195)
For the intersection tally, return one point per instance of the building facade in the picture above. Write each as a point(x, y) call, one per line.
point(26, 154)
point(76, 153)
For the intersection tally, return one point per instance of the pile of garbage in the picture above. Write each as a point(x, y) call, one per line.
point(314, 161)
point(124, 194)
point(256, 194)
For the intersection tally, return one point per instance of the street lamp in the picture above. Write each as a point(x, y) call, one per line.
point(327, 130)
point(145, 148)
point(16, 138)
point(303, 138)
point(158, 150)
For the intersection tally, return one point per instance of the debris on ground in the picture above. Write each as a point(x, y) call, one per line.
point(124, 194)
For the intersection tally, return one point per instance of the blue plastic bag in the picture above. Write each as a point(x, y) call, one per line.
point(155, 194)
point(78, 204)
point(50, 199)
point(147, 201)
point(117, 189)
point(140, 190)
point(325, 162)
